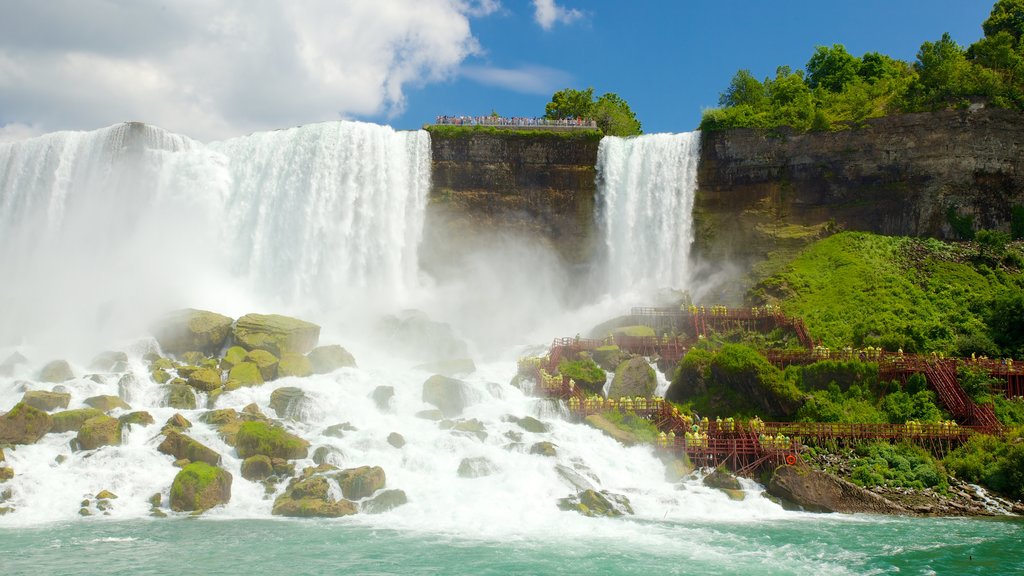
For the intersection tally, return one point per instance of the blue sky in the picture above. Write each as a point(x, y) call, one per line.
point(213, 69)
point(670, 60)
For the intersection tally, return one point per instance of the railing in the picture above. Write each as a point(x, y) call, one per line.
point(515, 122)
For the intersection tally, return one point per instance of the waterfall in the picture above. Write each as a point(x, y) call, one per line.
point(646, 186)
point(98, 227)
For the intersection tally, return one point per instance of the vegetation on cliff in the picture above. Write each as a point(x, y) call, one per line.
point(613, 115)
point(837, 90)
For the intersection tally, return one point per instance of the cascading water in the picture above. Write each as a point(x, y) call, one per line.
point(646, 186)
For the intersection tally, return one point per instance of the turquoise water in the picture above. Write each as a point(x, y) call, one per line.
point(810, 545)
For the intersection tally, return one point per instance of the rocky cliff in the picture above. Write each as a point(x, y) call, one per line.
point(909, 174)
point(533, 184)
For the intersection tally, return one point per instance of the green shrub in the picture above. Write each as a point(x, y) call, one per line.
point(900, 465)
point(994, 462)
point(643, 429)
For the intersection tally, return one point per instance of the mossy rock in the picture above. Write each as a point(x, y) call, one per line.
point(200, 486)
point(339, 430)
point(435, 415)
point(625, 437)
point(275, 334)
point(593, 503)
point(3, 458)
point(448, 394)
point(396, 440)
point(6, 474)
point(72, 420)
point(362, 482)
point(382, 396)
point(125, 385)
point(56, 371)
point(258, 467)
point(287, 402)
point(261, 438)
point(294, 364)
point(24, 425)
point(205, 379)
point(107, 403)
point(192, 357)
point(106, 495)
point(181, 446)
point(384, 501)
point(99, 431)
point(608, 357)
point(265, 362)
point(722, 480)
point(476, 467)
point(160, 376)
point(451, 367)
point(140, 418)
point(310, 497)
point(471, 427)
point(327, 359)
point(634, 377)
point(246, 374)
point(177, 423)
point(47, 401)
point(232, 357)
point(186, 370)
point(180, 396)
point(544, 449)
point(160, 363)
point(192, 330)
point(635, 332)
point(531, 424)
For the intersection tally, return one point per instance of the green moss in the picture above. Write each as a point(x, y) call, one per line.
point(293, 364)
point(644, 430)
point(635, 331)
point(199, 486)
point(246, 374)
point(261, 438)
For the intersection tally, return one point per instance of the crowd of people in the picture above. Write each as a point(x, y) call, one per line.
point(517, 121)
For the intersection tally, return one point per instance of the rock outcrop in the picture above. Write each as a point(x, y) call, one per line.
point(310, 497)
point(192, 330)
point(817, 491)
point(46, 401)
point(200, 486)
point(99, 431)
point(261, 438)
point(183, 447)
point(633, 377)
point(275, 334)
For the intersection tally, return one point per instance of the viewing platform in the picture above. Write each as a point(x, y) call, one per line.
point(517, 123)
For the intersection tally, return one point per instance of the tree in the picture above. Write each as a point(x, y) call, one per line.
point(1006, 16)
point(875, 66)
point(832, 68)
point(744, 89)
point(612, 114)
point(1005, 325)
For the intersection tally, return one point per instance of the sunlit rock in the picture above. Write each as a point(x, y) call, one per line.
point(181, 446)
point(140, 418)
point(294, 364)
point(107, 403)
point(594, 503)
point(262, 438)
point(634, 377)
point(200, 486)
point(192, 330)
point(24, 425)
point(362, 482)
point(99, 431)
point(310, 497)
point(180, 395)
point(327, 359)
point(265, 362)
point(275, 333)
point(72, 420)
point(46, 401)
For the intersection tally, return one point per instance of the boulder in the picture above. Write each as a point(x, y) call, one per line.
point(476, 467)
point(360, 482)
point(261, 438)
point(576, 480)
point(192, 330)
point(6, 474)
point(531, 424)
point(265, 362)
point(544, 449)
point(448, 394)
point(295, 365)
point(246, 374)
point(275, 334)
point(384, 501)
point(160, 376)
point(24, 425)
point(180, 396)
point(46, 401)
point(181, 447)
point(193, 357)
point(327, 359)
point(382, 396)
point(593, 503)
point(258, 467)
point(232, 357)
point(396, 440)
point(126, 384)
point(634, 377)
point(338, 430)
point(288, 402)
point(72, 420)
point(10, 363)
point(200, 486)
point(451, 367)
point(140, 418)
point(328, 455)
point(721, 479)
point(107, 403)
point(177, 423)
point(608, 357)
point(56, 371)
point(625, 437)
point(469, 428)
point(817, 491)
point(106, 361)
point(99, 431)
point(310, 497)
point(205, 379)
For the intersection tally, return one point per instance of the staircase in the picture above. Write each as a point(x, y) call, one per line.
point(942, 377)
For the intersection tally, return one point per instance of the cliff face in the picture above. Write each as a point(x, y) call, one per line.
point(534, 185)
point(900, 175)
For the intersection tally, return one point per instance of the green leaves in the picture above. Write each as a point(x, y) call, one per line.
point(613, 115)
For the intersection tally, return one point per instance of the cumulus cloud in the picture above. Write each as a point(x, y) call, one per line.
point(219, 68)
point(525, 79)
point(547, 14)
point(18, 131)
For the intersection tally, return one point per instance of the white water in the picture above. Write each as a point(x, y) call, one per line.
point(646, 186)
point(127, 221)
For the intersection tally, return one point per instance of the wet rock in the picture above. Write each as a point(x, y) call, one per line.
point(258, 467)
point(327, 359)
point(451, 367)
point(382, 396)
point(99, 431)
point(362, 482)
point(385, 501)
point(6, 474)
point(200, 486)
point(275, 334)
point(107, 403)
point(396, 440)
point(233, 357)
point(125, 385)
point(574, 478)
point(328, 455)
point(593, 503)
point(817, 491)
point(246, 374)
point(24, 425)
point(205, 379)
point(178, 423)
point(106, 361)
point(310, 497)
point(472, 427)
point(160, 376)
point(56, 371)
point(435, 415)
point(476, 467)
point(180, 396)
point(448, 394)
point(106, 495)
point(608, 357)
point(140, 418)
point(46, 401)
point(265, 362)
point(262, 438)
point(634, 377)
point(10, 363)
point(544, 449)
point(295, 365)
point(72, 420)
point(530, 424)
point(193, 357)
point(722, 480)
point(181, 446)
point(339, 430)
point(192, 330)
point(288, 402)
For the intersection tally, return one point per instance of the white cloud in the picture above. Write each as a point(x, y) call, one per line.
point(16, 131)
point(526, 79)
point(547, 14)
point(217, 68)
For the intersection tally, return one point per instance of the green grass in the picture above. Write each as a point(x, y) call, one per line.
point(643, 429)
